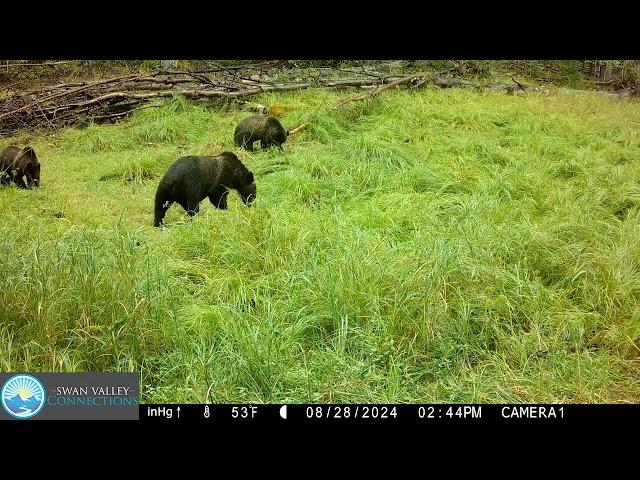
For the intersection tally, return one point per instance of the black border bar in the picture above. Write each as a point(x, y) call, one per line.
point(389, 414)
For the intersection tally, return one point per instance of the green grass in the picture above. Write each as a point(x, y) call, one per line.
point(428, 246)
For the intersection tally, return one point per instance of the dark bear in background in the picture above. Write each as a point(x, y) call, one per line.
point(190, 179)
point(265, 128)
point(16, 163)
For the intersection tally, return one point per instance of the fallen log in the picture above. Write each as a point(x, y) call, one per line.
point(380, 89)
point(268, 63)
point(188, 93)
point(419, 79)
point(364, 82)
point(45, 64)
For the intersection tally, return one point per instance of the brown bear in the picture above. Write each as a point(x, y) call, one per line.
point(190, 180)
point(18, 164)
point(265, 128)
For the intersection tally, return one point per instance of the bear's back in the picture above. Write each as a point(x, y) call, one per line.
point(273, 122)
point(8, 155)
point(183, 166)
point(196, 169)
point(255, 122)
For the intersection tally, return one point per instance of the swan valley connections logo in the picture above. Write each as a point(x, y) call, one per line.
point(69, 396)
point(23, 396)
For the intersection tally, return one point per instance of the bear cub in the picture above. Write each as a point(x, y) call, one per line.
point(18, 164)
point(265, 128)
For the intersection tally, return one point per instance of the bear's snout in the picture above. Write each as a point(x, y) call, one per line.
point(248, 194)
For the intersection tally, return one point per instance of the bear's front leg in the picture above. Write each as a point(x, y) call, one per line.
point(19, 181)
point(192, 208)
point(32, 182)
point(220, 200)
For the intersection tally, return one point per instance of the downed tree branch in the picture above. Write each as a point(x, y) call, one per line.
point(46, 64)
point(7, 87)
point(111, 99)
point(419, 79)
point(268, 63)
point(522, 87)
point(362, 83)
point(75, 90)
point(120, 114)
point(297, 129)
point(380, 89)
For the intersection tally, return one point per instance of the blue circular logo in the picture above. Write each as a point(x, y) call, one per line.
point(22, 396)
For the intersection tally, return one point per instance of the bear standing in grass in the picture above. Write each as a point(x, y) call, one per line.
point(191, 179)
point(265, 128)
point(16, 164)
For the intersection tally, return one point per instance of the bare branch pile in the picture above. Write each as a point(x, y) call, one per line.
point(113, 99)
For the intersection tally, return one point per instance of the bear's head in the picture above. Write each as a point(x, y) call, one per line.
point(248, 189)
point(31, 166)
point(280, 136)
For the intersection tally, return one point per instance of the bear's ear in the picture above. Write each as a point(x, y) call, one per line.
point(250, 178)
point(29, 152)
